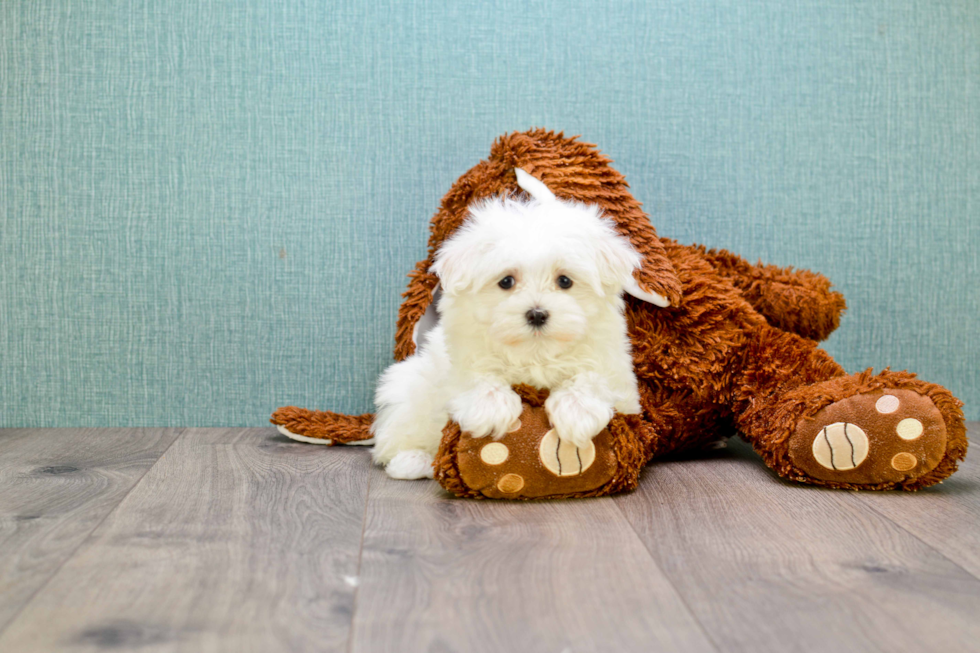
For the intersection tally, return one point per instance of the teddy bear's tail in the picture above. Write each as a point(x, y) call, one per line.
point(323, 427)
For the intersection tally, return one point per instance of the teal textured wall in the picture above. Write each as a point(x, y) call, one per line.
point(207, 209)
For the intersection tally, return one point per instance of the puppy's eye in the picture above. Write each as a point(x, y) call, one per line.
point(507, 282)
point(564, 282)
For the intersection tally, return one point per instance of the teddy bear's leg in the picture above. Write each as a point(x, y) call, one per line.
point(798, 301)
point(813, 423)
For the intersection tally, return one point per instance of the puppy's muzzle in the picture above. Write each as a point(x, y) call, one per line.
point(536, 317)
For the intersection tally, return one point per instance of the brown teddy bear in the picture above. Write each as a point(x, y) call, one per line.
point(736, 349)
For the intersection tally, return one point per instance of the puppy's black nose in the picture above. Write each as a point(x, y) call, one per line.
point(536, 317)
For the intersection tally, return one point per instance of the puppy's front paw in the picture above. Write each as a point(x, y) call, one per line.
point(487, 409)
point(410, 465)
point(577, 416)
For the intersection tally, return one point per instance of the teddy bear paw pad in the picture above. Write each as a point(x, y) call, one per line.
point(885, 436)
point(531, 461)
point(562, 458)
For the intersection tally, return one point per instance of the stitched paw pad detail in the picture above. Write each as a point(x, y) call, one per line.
point(886, 436)
point(531, 461)
point(840, 446)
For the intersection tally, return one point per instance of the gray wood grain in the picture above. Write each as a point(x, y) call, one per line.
point(239, 540)
point(945, 516)
point(236, 540)
point(56, 486)
point(768, 565)
point(445, 574)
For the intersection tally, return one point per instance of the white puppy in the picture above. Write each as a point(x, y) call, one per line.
point(531, 292)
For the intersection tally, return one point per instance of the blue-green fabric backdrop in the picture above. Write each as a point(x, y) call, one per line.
point(207, 209)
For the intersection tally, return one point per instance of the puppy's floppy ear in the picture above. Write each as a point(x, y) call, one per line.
point(454, 261)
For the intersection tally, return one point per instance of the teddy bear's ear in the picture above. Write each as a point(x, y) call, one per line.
point(428, 321)
point(654, 280)
point(633, 289)
point(616, 259)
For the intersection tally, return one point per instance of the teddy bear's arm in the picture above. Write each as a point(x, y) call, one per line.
point(797, 301)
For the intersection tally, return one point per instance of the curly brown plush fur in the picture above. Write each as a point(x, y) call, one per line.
point(324, 425)
point(734, 350)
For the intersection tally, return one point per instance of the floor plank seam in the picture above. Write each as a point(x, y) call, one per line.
point(924, 543)
point(680, 596)
point(360, 557)
point(88, 537)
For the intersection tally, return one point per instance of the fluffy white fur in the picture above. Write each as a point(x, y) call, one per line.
point(483, 343)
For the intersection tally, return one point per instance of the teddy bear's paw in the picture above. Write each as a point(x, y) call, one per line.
point(486, 410)
point(410, 465)
point(885, 436)
point(533, 462)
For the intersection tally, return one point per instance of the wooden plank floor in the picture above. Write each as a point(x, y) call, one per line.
point(242, 540)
